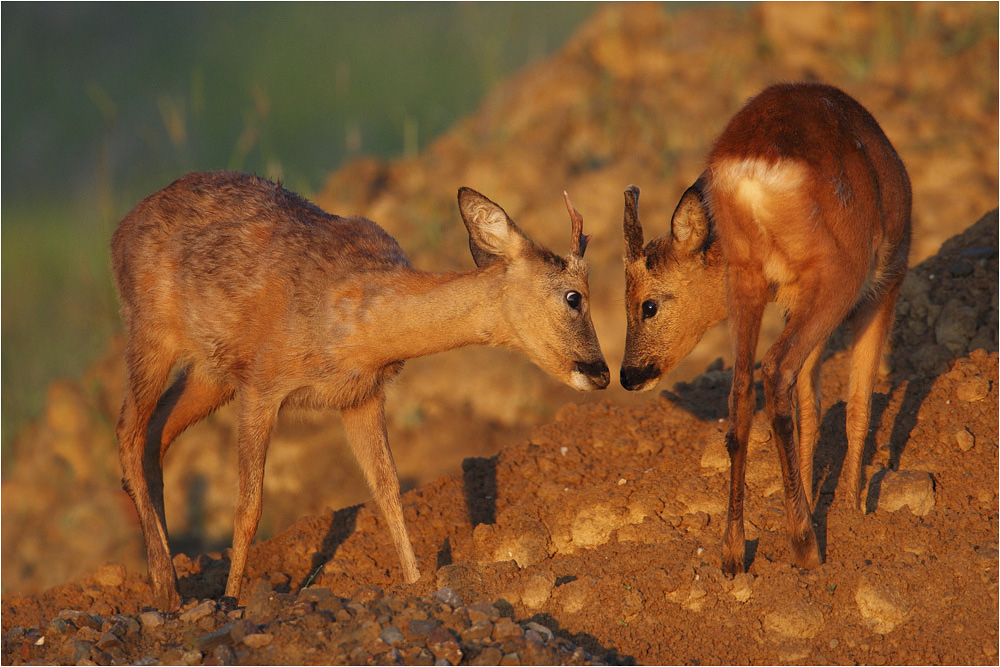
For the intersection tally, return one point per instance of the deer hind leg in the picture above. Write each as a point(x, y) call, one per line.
point(747, 296)
point(808, 399)
point(142, 478)
point(812, 317)
point(365, 427)
point(256, 419)
point(870, 328)
point(190, 398)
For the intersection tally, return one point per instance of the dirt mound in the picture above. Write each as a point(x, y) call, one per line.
point(599, 522)
point(603, 528)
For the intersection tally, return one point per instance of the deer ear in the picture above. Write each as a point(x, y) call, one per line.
point(631, 226)
point(493, 236)
point(689, 226)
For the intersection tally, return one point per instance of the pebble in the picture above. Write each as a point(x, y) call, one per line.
point(449, 597)
point(221, 636)
point(973, 389)
point(443, 644)
point(913, 489)
point(258, 640)
point(796, 620)
point(965, 439)
point(392, 635)
point(150, 619)
point(882, 605)
point(506, 629)
point(488, 656)
point(955, 326)
point(437, 629)
point(198, 612)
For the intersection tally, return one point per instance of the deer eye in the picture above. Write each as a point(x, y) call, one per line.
point(573, 299)
point(648, 309)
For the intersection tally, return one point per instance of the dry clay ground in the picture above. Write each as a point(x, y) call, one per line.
point(599, 521)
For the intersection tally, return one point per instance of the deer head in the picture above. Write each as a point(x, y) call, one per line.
point(545, 298)
point(674, 289)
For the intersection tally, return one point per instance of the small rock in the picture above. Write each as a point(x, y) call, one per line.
point(965, 439)
point(906, 488)
point(420, 628)
point(129, 622)
point(108, 641)
point(221, 636)
point(537, 590)
point(421, 657)
point(505, 629)
point(84, 619)
point(481, 629)
point(482, 610)
point(449, 597)
point(881, 605)
point(797, 619)
point(59, 626)
point(110, 575)
point(81, 650)
point(741, 589)
point(150, 619)
point(257, 640)
point(955, 326)
point(146, 661)
point(511, 659)
point(198, 612)
point(392, 635)
point(593, 525)
point(314, 594)
point(191, 658)
point(88, 634)
point(490, 655)
point(223, 655)
point(367, 594)
point(542, 630)
point(262, 603)
point(443, 645)
point(973, 389)
point(715, 455)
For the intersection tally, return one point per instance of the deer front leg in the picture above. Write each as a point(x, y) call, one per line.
point(365, 427)
point(746, 295)
point(256, 419)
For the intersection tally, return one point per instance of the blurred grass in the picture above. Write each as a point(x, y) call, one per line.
point(104, 103)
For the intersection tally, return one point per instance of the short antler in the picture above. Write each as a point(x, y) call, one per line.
point(579, 240)
point(633, 230)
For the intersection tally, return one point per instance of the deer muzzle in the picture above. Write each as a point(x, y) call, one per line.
point(639, 378)
point(591, 375)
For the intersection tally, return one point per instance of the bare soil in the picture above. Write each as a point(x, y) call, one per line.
point(596, 518)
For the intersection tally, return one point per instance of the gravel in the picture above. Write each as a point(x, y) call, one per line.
point(368, 628)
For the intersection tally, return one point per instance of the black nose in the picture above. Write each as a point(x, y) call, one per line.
point(633, 377)
point(596, 371)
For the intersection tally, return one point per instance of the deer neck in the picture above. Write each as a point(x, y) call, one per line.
point(425, 313)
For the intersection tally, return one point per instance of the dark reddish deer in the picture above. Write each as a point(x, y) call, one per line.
point(805, 202)
point(251, 292)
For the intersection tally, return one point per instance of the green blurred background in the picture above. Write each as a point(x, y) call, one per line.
point(104, 103)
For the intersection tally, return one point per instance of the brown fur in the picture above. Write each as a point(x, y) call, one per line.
point(804, 201)
point(249, 291)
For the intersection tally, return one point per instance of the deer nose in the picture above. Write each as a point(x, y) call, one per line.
point(635, 377)
point(597, 371)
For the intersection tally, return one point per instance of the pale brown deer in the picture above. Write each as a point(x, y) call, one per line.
point(250, 291)
point(805, 202)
